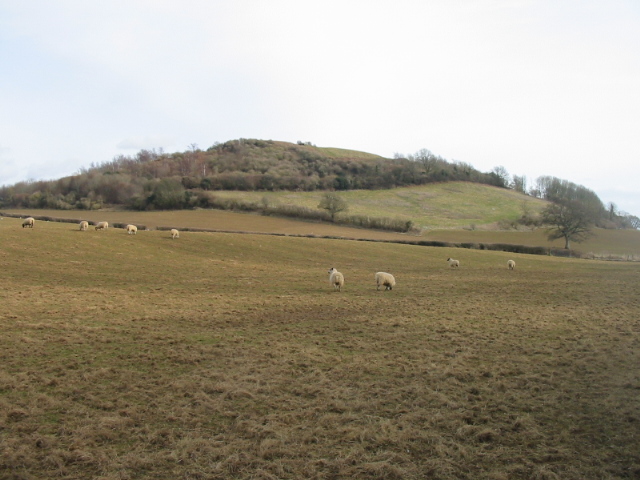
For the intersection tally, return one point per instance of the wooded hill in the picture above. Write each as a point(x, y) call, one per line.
point(154, 180)
point(157, 180)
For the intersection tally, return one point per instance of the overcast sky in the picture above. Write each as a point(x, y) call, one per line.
point(539, 87)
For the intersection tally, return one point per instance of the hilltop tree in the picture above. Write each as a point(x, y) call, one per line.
point(427, 159)
point(502, 175)
point(519, 183)
point(333, 203)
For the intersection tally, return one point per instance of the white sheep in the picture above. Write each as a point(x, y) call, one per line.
point(175, 233)
point(132, 229)
point(336, 279)
point(386, 279)
point(453, 263)
point(511, 264)
point(84, 225)
point(28, 222)
point(102, 225)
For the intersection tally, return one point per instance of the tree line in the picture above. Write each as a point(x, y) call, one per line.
point(573, 211)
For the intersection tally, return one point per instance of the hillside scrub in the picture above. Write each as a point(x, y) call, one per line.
point(149, 179)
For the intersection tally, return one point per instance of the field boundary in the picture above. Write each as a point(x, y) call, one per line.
point(423, 243)
point(503, 247)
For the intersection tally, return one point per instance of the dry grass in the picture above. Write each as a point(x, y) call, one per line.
point(605, 244)
point(230, 356)
point(219, 220)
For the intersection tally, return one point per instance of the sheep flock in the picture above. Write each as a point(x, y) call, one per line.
point(336, 278)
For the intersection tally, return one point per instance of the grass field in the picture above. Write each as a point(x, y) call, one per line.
point(438, 205)
point(619, 244)
point(221, 356)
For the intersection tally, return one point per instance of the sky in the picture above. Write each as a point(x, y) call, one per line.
point(549, 87)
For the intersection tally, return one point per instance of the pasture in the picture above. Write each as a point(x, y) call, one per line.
point(616, 244)
point(435, 205)
point(230, 356)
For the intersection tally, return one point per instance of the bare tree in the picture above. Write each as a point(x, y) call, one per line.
point(569, 220)
point(333, 203)
point(427, 160)
point(502, 174)
point(519, 183)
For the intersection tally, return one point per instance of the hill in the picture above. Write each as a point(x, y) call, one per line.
point(422, 191)
point(155, 180)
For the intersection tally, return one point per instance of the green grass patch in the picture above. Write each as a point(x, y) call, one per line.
point(440, 205)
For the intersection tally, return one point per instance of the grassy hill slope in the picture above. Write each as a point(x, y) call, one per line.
point(439, 205)
point(230, 356)
point(340, 152)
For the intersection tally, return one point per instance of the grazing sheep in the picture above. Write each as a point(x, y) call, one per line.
point(386, 279)
point(336, 279)
point(102, 225)
point(511, 264)
point(132, 229)
point(175, 233)
point(453, 263)
point(28, 222)
point(84, 225)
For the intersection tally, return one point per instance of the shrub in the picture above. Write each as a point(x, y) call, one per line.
point(377, 223)
point(299, 212)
